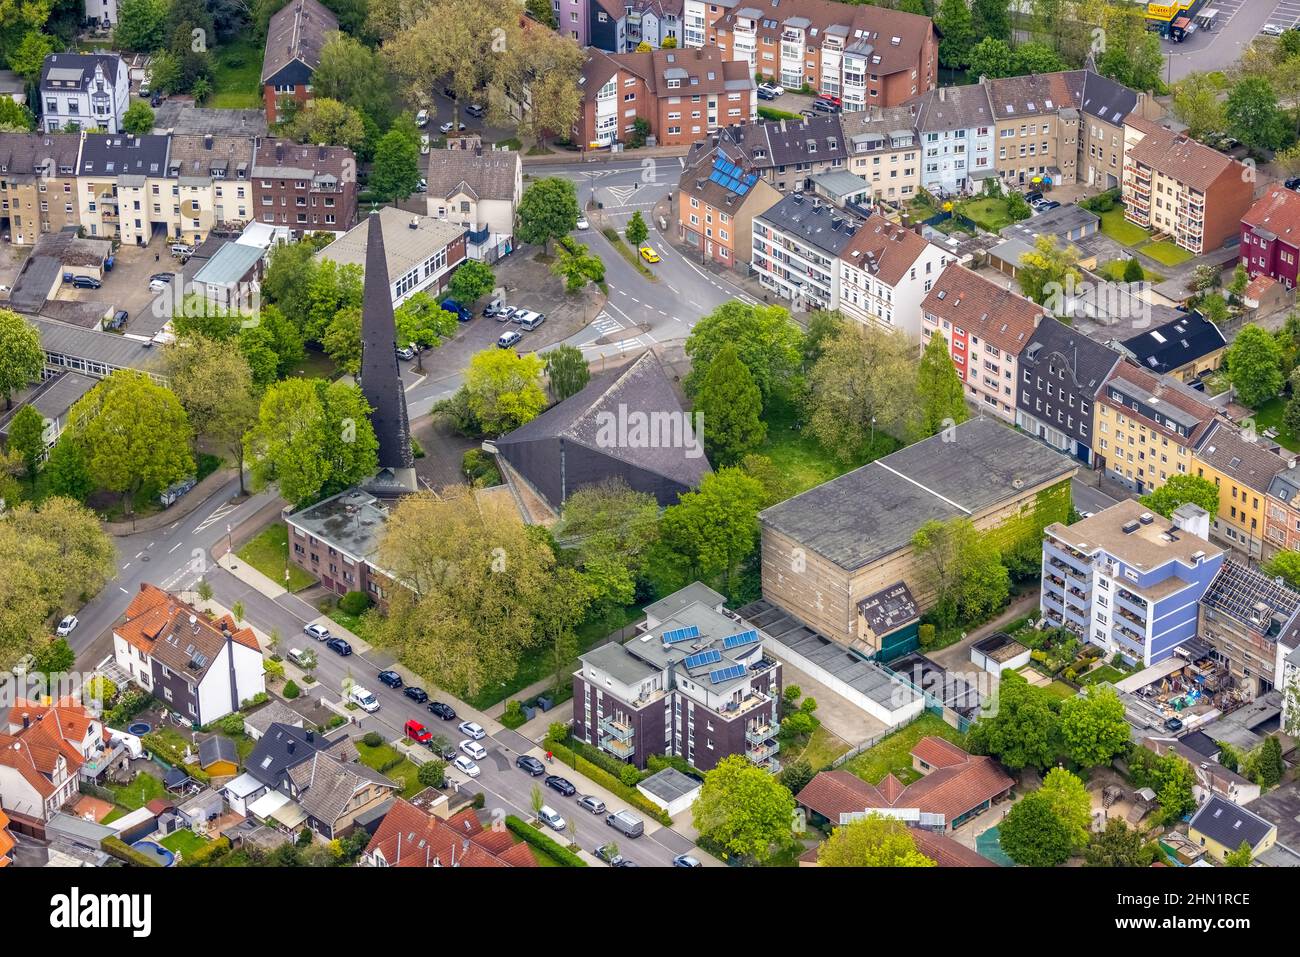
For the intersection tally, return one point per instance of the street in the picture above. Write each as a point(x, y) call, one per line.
point(1240, 24)
point(1086, 496)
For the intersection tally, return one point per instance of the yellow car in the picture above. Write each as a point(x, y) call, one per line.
point(649, 255)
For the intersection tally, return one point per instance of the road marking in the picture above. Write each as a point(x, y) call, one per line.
point(676, 319)
point(138, 554)
point(682, 161)
point(622, 293)
point(126, 566)
point(123, 590)
point(675, 292)
point(149, 546)
point(174, 547)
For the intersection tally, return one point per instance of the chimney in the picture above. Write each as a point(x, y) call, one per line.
point(1194, 519)
point(27, 720)
point(292, 745)
point(311, 737)
point(194, 624)
point(324, 151)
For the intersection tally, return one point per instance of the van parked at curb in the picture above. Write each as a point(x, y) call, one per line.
point(363, 699)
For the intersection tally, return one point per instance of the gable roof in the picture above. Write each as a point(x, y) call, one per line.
point(410, 837)
point(884, 249)
point(62, 727)
point(37, 763)
point(297, 31)
point(783, 143)
point(327, 784)
point(162, 626)
point(983, 308)
point(489, 174)
point(1253, 464)
point(1180, 157)
point(696, 70)
point(217, 748)
point(1276, 214)
point(64, 71)
point(953, 108)
point(1174, 344)
point(1229, 824)
point(279, 749)
point(1187, 405)
point(1087, 361)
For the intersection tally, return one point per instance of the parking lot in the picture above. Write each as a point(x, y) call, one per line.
point(126, 286)
point(1286, 14)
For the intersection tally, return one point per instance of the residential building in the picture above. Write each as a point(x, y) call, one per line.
point(986, 327)
point(1187, 347)
point(796, 249)
point(13, 87)
point(1182, 189)
point(823, 561)
point(953, 788)
point(69, 728)
point(786, 155)
point(410, 837)
point(294, 39)
point(36, 780)
point(1270, 236)
point(1282, 512)
point(1146, 427)
point(1253, 623)
point(619, 27)
point(883, 148)
point(198, 668)
point(213, 188)
point(53, 397)
point(422, 252)
point(1061, 374)
point(478, 190)
point(626, 424)
point(694, 682)
point(717, 200)
point(1037, 129)
point(1211, 777)
point(957, 133)
point(1243, 467)
point(306, 189)
point(1127, 579)
point(1221, 827)
point(573, 20)
point(83, 91)
point(866, 56)
point(101, 13)
point(885, 272)
point(1103, 106)
point(7, 843)
point(679, 95)
point(123, 189)
point(38, 184)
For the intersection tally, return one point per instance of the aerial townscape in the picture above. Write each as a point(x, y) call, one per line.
point(653, 433)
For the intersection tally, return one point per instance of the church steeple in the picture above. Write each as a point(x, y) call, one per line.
point(381, 382)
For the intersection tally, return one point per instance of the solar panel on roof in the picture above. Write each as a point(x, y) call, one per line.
point(681, 634)
point(710, 657)
point(726, 674)
point(744, 638)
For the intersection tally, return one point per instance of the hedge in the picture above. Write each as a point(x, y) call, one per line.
point(208, 853)
point(116, 847)
point(530, 835)
point(608, 781)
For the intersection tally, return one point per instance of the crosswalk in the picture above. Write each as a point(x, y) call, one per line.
point(609, 327)
point(219, 514)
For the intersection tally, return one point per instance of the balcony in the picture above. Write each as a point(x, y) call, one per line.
point(1137, 601)
point(763, 733)
point(619, 749)
point(1129, 616)
point(763, 753)
point(617, 729)
point(1131, 635)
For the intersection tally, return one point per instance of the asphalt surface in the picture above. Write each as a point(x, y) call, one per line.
point(1087, 497)
point(1241, 23)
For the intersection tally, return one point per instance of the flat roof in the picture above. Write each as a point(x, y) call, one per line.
point(1149, 546)
point(670, 784)
point(117, 351)
point(351, 521)
point(694, 592)
point(230, 265)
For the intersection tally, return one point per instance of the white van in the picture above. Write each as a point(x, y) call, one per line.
point(182, 249)
point(551, 819)
point(531, 321)
point(363, 699)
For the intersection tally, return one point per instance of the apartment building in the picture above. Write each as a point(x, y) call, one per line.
point(478, 190)
point(1061, 373)
point(83, 91)
point(294, 39)
point(957, 133)
point(1183, 189)
point(123, 188)
point(885, 272)
point(1129, 580)
point(305, 189)
point(694, 682)
point(1036, 129)
point(681, 94)
point(986, 327)
point(786, 154)
point(619, 27)
point(1270, 236)
point(717, 200)
point(38, 184)
point(796, 249)
point(1243, 467)
point(214, 185)
point(864, 55)
point(1282, 512)
point(101, 13)
point(1253, 623)
point(884, 150)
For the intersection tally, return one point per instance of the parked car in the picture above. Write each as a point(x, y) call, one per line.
point(423, 186)
point(769, 91)
point(494, 310)
point(418, 695)
point(85, 282)
point(391, 678)
point(66, 626)
point(156, 100)
point(551, 819)
point(473, 749)
point(824, 105)
point(182, 249)
point(441, 710)
point(472, 729)
point(447, 127)
point(363, 699)
point(582, 222)
point(685, 860)
point(1033, 197)
point(422, 118)
point(1173, 724)
point(417, 732)
point(339, 647)
point(531, 320)
point(319, 632)
point(591, 804)
point(466, 766)
point(1272, 30)
point(117, 320)
point(609, 854)
point(625, 862)
point(1047, 204)
point(159, 285)
point(648, 254)
point(476, 110)
point(563, 785)
point(462, 313)
point(1293, 182)
point(509, 339)
point(406, 353)
point(527, 762)
point(627, 822)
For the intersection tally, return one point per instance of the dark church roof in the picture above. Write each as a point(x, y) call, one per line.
point(381, 382)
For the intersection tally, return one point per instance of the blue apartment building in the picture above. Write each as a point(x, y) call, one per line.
point(1129, 579)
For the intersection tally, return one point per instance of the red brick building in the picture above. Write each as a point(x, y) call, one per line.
point(293, 44)
point(307, 189)
point(1270, 236)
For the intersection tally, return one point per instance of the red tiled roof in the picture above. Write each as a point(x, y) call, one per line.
point(938, 752)
point(1278, 211)
point(154, 614)
point(1166, 390)
point(35, 763)
point(983, 308)
point(1180, 157)
point(409, 837)
point(892, 247)
point(946, 852)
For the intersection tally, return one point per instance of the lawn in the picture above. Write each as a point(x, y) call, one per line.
point(822, 748)
point(801, 458)
point(1059, 690)
point(1114, 271)
point(360, 625)
point(405, 773)
point(138, 793)
point(1166, 252)
point(1114, 225)
point(183, 842)
point(893, 754)
point(268, 552)
point(1269, 416)
point(989, 213)
point(237, 76)
point(1104, 673)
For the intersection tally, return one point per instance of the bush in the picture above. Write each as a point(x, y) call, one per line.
point(304, 837)
point(480, 469)
point(212, 851)
point(116, 847)
point(657, 762)
point(130, 703)
point(530, 835)
point(100, 689)
point(372, 739)
point(273, 667)
point(231, 724)
point(610, 781)
point(291, 689)
point(513, 717)
point(432, 773)
point(480, 801)
point(925, 633)
point(355, 603)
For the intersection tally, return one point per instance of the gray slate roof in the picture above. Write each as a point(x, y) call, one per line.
point(818, 224)
point(217, 748)
point(327, 784)
point(1229, 824)
point(486, 175)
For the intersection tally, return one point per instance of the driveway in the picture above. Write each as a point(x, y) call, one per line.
point(836, 713)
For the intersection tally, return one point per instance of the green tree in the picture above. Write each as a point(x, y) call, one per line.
point(730, 407)
point(471, 281)
point(567, 370)
point(1241, 857)
point(547, 211)
point(136, 435)
point(30, 54)
point(15, 118)
point(943, 400)
point(356, 76)
point(636, 231)
point(1117, 845)
point(540, 10)
point(766, 339)
point(342, 340)
point(27, 438)
point(823, 325)
point(1174, 780)
point(432, 773)
point(712, 530)
point(323, 120)
point(1254, 364)
point(1253, 114)
point(138, 118)
point(1045, 272)
point(559, 613)
point(577, 265)
point(1285, 564)
point(395, 172)
point(956, 32)
point(872, 841)
point(612, 530)
point(1093, 727)
point(1269, 766)
point(422, 322)
point(776, 483)
point(1133, 271)
point(992, 58)
point(1036, 57)
point(67, 471)
point(21, 355)
point(796, 776)
point(1023, 731)
point(1033, 835)
point(1180, 489)
point(1070, 802)
point(1197, 103)
point(504, 389)
point(963, 568)
point(743, 809)
point(1132, 55)
point(54, 657)
point(990, 19)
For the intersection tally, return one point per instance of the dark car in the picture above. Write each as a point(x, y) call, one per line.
point(443, 711)
point(1033, 197)
point(1293, 182)
point(1047, 204)
point(391, 678)
point(625, 862)
point(530, 764)
point(155, 100)
point(557, 783)
point(339, 647)
point(86, 282)
point(475, 110)
point(462, 314)
point(1174, 724)
point(418, 695)
point(118, 320)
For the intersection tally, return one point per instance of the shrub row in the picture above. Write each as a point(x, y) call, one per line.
point(530, 835)
point(212, 851)
point(162, 747)
point(116, 847)
point(608, 781)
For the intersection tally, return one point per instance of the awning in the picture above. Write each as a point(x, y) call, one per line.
point(266, 806)
point(291, 815)
point(243, 786)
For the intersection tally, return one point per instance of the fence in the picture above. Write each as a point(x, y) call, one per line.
point(871, 742)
